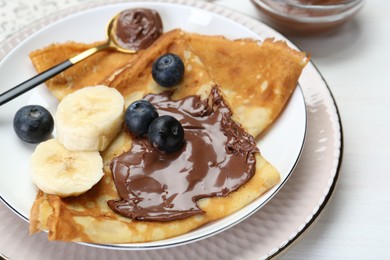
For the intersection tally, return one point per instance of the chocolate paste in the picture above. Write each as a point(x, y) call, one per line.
point(305, 16)
point(321, 2)
point(217, 158)
point(138, 28)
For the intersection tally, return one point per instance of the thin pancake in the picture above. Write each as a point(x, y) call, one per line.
point(87, 217)
point(257, 78)
point(135, 80)
point(89, 72)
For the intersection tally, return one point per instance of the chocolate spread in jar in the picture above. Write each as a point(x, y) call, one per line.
point(218, 158)
point(137, 28)
point(304, 17)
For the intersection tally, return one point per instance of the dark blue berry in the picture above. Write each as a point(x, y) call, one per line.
point(166, 134)
point(33, 124)
point(168, 70)
point(138, 117)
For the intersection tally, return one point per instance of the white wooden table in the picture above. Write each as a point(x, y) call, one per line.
point(355, 62)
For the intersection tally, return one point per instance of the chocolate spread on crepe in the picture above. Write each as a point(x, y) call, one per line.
point(219, 157)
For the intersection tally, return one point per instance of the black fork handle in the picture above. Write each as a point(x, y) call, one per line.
point(33, 82)
point(49, 73)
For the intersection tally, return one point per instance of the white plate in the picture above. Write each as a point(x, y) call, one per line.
point(281, 145)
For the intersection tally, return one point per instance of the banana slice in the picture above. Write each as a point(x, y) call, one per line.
point(89, 118)
point(59, 171)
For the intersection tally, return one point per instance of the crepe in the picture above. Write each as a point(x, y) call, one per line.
point(135, 79)
point(87, 217)
point(256, 78)
point(90, 71)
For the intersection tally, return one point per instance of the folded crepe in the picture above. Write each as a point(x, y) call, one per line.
point(256, 80)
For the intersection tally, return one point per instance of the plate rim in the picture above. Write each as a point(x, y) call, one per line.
point(42, 22)
point(322, 206)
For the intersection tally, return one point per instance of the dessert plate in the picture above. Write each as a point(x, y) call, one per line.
point(17, 191)
point(281, 145)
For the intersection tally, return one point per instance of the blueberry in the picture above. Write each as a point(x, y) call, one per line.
point(168, 70)
point(138, 117)
point(33, 124)
point(166, 134)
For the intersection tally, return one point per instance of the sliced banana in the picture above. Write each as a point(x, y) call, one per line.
point(89, 119)
point(59, 171)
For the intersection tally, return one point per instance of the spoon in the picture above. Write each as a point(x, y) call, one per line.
point(111, 43)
